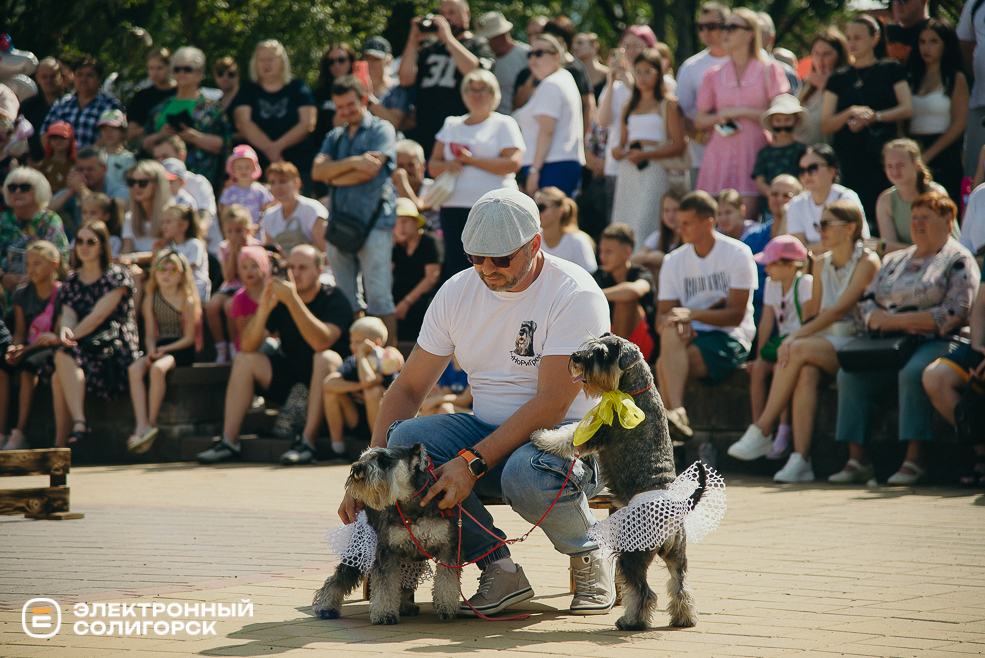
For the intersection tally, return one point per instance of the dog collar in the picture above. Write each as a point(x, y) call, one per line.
point(613, 404)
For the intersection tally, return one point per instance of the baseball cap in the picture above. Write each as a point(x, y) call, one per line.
point(378, 47)
point(782, 247)
point(500, 223)
point(174, 169)
point(407, 208)
point(114, 118)
point(492, 24)
point(62, 129)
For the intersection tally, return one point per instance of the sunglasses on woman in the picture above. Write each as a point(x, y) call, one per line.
point(88, 242)
point(183, 69)
point(544, 206)
point(502, 262)
point(710, 27)
point(337, 60)
point(539, 53)
point(729, 28)
point(825, 224)
point(139, 182)
point(228, 73)
point(19, 187)
point(809, 169)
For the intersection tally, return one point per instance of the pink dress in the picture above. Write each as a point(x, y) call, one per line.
point(728, 161)
point(243, 306)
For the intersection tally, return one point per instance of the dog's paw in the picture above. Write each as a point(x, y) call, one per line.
point(409, 610)
point(385, 619)
point(624, 623)
point(541, 441)
point(329, 613)
point(684, 622)
point(555, 441)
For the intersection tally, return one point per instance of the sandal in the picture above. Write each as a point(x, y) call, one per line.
point(141, 443)
point(77, 436)
point(975, 477)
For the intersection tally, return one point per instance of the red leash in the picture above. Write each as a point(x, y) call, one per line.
point(502, 542)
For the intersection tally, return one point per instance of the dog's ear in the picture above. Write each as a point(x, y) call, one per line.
point(605, 334)
point(418, 457)
point(629, 354)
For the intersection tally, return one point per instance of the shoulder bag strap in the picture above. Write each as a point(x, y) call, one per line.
point(796, 297)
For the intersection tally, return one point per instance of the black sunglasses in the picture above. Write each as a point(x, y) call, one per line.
point(539, 53)
point(731, 27)
point(19, 187)
point(139, 182)
point(183, 69)
point(502, 262)
point(228, 73)
point(711, 27)
point(809, 169)
point(784, 129)
point(336, 60)
point(544, 206)
point(89, 242)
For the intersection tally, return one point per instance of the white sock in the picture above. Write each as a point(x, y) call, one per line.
point(506, 564)
point(338, 447)
point(311, 444)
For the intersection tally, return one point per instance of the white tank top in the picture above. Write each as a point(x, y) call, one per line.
point(931, 114)
point(834, 282)
point(649, 127)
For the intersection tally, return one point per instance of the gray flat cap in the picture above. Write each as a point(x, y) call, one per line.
point(500, 223)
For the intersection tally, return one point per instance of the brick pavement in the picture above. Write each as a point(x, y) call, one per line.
point(809, 569)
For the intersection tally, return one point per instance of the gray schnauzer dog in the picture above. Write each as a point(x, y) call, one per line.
point(381, 478)
point(632, 461)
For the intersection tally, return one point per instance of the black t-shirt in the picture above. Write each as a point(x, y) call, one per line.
point(439, 84)
point(274, 113)
point(872, 87)
point(27, 298)
point(146, 100)
point(35, 109)
point(408, 271)
point(577, 71)
point(634, 273)
point(904, 41)
point(330, 306)
point(349, 371)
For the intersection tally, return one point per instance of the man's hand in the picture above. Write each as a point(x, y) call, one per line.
point(284, 289)
point(444, 29)
point(455, 480)
point(268, 298)
point(369, 163)
point(76, 182)
point(349, 509)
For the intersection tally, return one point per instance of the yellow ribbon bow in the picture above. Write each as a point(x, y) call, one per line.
point(613, 403)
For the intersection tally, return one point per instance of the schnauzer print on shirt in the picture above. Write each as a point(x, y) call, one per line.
point(524, 346)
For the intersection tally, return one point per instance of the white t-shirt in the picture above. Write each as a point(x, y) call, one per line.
point(557, 97)
point(620, 96)
point(499, 338)
point(145, 243)
point(483, 140)
point(974, 31)
point(117, 166)
point(804, 216)
point(689, 78)
point(701, 283)
point(200, 189)
point(576, 248)
point(506, 69)
point(973, 224)
point(785, 306)
point(306, 212)
point(194, 251)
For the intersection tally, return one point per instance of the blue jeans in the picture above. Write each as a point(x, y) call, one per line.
point(365, 277)
point(528, 481)
point(860, 392)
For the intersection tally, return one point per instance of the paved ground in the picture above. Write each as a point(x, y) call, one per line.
point(816, 570)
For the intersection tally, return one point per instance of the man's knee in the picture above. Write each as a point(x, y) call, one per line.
point(326, 362)
point(374, 393)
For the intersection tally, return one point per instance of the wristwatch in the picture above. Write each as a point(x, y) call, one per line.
point(533, 170)
point(878, 117)
point(477, 465)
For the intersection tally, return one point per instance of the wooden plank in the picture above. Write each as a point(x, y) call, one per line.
point(46, 500)
point(56, 516)
point(49, 461)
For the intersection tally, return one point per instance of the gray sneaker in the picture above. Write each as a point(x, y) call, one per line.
point(293, 413)
point(498, 589)
point(595, 592)
point(221, 451)
point(300, 453)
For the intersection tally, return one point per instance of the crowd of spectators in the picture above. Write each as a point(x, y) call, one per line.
point(833, 197)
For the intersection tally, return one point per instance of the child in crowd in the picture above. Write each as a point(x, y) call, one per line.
point(785, 307)
point(628, 288)
point(59, 154)
point(451, 395)
point(97, 206)
point(176, 172)
point(172, 312)
point(179, 226)
point(34, 313)
point(112, 137)
point(353, 393)
point(731, 219)
point(237, 224)
point(559, 229)
point(254, 270)
point(666, 238)
point(243, 168)
point(783, 154)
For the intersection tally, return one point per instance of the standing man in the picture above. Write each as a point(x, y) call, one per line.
point(35, 109)
point(692, 72)
point(903, 34)
point(83, 108)
point(705, 315)
point(512, 321)
point(511, 56)
point(437, 67)
point(357, 160)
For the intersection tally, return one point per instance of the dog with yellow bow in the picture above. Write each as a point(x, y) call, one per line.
point(627, 432)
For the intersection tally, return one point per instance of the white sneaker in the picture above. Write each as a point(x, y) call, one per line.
point(797, 469)
point(753, 445)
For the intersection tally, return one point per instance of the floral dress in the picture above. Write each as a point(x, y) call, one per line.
point(16, 235)
point(208, 117)
point(105, 369)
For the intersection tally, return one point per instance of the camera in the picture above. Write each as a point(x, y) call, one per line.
point(427, 24)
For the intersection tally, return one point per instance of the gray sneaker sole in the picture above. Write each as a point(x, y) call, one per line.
point(492, 608)
point(593, 610)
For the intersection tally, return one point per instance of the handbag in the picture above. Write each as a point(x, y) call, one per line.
point(44, 320)
point(99, 341)
point(291, 237)
point(871, 353)
point(680, 162)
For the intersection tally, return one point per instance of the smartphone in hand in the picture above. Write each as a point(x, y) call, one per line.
point(728, 128)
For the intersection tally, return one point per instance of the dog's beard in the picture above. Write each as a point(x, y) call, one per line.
point(595, 378)
point(380, 488)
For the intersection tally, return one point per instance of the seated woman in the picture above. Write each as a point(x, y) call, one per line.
point(559, 228)
point(946, 379)
point(26, 194)
point(926, 290)
point(628, 288)
point(417, 258)
point(97, 333)
point(910, 178)
point(841, 275)
point(666, 238)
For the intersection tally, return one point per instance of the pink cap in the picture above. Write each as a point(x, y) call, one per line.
point(258, 255)
point(240, 152)
point(782, 247)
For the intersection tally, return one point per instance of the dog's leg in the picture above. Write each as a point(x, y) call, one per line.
point(407, 606)
point(637, 597)
point(327, 603)
point(384, 594)
point(556, 441)
point(682, 609)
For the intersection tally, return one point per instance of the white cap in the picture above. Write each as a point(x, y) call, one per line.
point(500, 223)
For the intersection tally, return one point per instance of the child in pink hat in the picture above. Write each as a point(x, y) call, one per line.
point(243, 168)
point(254, 270)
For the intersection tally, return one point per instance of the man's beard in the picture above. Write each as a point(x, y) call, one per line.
point(506, 283)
